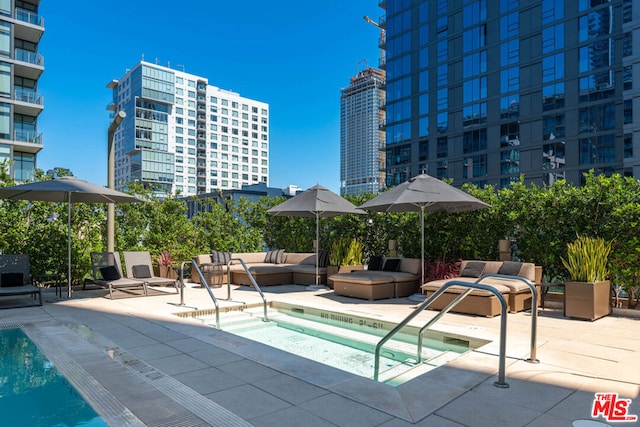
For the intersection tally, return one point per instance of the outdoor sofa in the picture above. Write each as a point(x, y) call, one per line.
point(483, 303)
point(267, 268)
point(396, 277)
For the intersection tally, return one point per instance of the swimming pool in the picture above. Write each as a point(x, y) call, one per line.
point(344, 341)
point(32, 390)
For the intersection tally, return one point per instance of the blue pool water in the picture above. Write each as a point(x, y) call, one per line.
point(32, 390)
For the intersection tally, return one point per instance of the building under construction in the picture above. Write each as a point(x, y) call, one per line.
point(362, 137)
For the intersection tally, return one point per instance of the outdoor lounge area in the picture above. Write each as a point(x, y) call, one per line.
point(176, 370)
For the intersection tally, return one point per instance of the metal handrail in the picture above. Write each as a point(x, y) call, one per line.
point(503, 323)
point(534, 309)
point(253, 283)
point(206, 285)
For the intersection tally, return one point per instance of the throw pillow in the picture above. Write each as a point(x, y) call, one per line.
point(510, 268)
point(270, 256)
point(375, 263)
point(110, 272)
point(392, 264)
point(323, 258)
point(279, 256)
point(226, 257)
point(141, 271)
point(214, 257)
point(473, 269)
point(11, 279)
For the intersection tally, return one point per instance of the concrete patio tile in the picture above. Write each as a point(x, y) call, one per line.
point(154, 351)
point(456, 376)
point(430, 421)
point(374, 394)
point(290, 389)
point(247, 401)
point(214, 356)
point(543, 373)
point(423, 397)
point(188, 344)
point(208, 380)
point(177, 364)
point(528, 394)
point(621, 372)
point(577, 406)
point(248, 371)
point(605, 351)
point(584, 364)
point(291, 416)
point(550, 421)
point(478, 410)
point(345, 412)
point(624, 389)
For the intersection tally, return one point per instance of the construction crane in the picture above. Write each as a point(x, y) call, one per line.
point(383, 38)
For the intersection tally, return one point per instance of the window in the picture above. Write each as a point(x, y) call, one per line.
point(510, 52)
point(627, 44)
point(552, 10)
point(628, 146)
point(474, 12)
point(553, 67)
point(507, 5)
point(474, 64)
point(474, 141)
point(509, 26)
point(553, 156)
point(597, 118)
point(474, 89)
point(553, 96)
point(595, 24)
point(627, 77)
point(475, 166)
point(628, 111)
point(474, 38)
point(510, 134)
point(442, 148)
point(510, 80)
point(596, 55)
point(553, 127)
point(599, 149)
point(442, 122)
point(553, 38)
point(510, 162)
point(510, 106)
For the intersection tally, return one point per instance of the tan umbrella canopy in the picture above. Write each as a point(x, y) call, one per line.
point(424, 193)
point(70, 190)
point(316, 202)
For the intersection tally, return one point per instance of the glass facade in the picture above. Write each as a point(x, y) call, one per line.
point(553, 78)
point(21, 29)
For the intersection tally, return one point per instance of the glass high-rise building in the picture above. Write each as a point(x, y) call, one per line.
point(183, 135)
point(361, 134)
point(21, 28)
point(482, 91)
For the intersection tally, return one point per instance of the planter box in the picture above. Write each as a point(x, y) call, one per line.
point(168, 272)
point(332, 269)
point(588, 301)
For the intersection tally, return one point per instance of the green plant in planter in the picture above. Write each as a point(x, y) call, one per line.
point(587, 259)
point(346, 251)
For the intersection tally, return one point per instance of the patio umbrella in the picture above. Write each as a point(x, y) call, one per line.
point(424, 193)
point(66, 189)
point(316, 202)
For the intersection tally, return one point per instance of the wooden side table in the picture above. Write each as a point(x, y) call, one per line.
point(49, 280)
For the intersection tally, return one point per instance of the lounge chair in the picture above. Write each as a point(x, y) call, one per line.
point(107, 272)
point(139, 267)
point(15, 280)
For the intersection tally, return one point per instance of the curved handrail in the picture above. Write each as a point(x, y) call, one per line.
point(253, 283)
point(422, 306)
point(534, 309)
point(206, 285)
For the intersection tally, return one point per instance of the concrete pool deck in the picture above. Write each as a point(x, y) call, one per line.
point(140, 364)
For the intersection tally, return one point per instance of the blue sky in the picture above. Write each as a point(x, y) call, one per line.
point(295, 55)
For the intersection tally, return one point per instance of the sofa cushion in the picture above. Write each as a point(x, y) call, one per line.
point(375, 263)
point(473, 269)
point(411, 265)
point(305, 268)
point(300, 258)
point(391, 264)
point(510, 268)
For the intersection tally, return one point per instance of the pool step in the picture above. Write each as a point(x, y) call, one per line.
point(393, 349)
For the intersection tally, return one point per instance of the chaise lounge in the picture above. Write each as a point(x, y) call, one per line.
point(15, 281)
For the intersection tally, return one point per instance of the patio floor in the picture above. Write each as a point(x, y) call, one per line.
point(140, 364)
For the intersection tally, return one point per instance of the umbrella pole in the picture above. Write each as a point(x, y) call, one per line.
point(69, 245)
point(317, 248)
point(422, 225)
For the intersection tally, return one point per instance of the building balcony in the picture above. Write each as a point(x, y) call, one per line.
point(382, 41)
point(382, 22)
point(30, 26)
point(27, 141)
point(28, 103)
point(202, 136)
point(202, 88)
point(202, 117)
point(28, 64)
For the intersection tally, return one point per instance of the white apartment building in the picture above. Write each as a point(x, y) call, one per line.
point(185, 136)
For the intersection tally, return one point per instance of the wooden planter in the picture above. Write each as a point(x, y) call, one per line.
point(332, 269)
point(589, 301)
